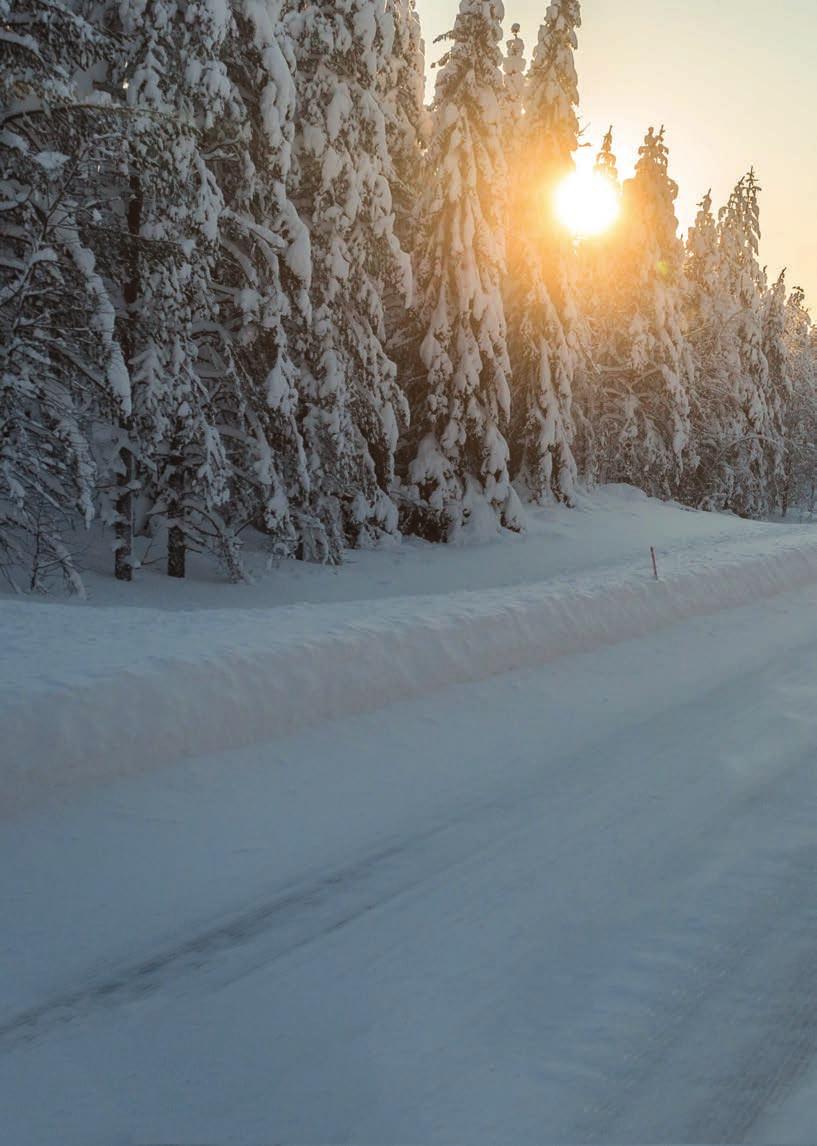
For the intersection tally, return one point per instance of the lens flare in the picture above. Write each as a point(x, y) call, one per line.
point(587, 204)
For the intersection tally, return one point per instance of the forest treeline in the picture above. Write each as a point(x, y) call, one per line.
point(249, 280)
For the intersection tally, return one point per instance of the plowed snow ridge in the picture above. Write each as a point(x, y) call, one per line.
point(135, 688)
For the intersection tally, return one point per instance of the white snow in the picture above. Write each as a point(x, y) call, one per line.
point(130, 689)
point(571, 903)
point(793, 1118)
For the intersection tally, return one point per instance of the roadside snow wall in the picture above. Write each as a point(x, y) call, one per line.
point(89, 693)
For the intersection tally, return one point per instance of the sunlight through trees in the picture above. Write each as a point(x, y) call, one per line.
point(250, 282)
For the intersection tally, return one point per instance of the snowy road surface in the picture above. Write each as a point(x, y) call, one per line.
point(577, 904)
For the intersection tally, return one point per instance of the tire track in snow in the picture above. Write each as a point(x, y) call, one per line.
point(691, 1069)
point(304, 913)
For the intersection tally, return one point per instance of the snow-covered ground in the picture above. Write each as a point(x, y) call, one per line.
point(540, 882)
point(613, 526)
point(130, 688)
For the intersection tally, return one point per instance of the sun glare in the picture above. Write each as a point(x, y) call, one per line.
point(587, 204)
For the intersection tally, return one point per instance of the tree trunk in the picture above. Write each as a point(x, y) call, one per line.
point(126, 478)
point(176, 543)
point(123, 529)
point(176, 552)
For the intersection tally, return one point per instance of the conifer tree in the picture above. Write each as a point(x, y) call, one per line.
point(645, 369)
point(261, 280)
point(606, 163)
point(750, 448)
point(514, 65)
point(715, 415)
point(777, 357)
point(544, 319)
point(403, 91)
point(598, 294)
point(736, 328)
point(169, 460)
point(597, 253)
point(353, 406)
point(61, 364)
point(457, 454)
point(799, 484)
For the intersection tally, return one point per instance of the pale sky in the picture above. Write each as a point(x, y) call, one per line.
point(735, 83)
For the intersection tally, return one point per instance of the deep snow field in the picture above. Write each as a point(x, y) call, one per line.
point(149, 673)
point(507, 842)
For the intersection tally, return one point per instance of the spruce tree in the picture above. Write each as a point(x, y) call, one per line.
point(606, 163)
point(353, 406)
point(261, 280)
point(750, 450)
point(514, 65)
point(716, 416)
point(598, 292)
point(403, 94)
point(645, 370)
point(544, 320)
point(169, 460)
point(776, 352)
point(799, 485)
point(736, 328)
point(61, 365)
point(401, 89)
point(457, 455)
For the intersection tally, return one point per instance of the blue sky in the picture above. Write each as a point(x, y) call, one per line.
point(735, 83)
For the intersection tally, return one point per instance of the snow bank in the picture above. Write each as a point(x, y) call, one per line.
point(91, 693)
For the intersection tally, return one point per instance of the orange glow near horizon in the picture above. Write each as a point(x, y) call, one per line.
point(586, 204)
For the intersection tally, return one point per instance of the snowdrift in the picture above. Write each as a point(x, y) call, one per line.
point(124, 690)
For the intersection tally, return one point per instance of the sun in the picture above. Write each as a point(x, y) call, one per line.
point(587, 204)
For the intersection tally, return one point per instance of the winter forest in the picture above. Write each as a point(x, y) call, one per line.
point(252, 285)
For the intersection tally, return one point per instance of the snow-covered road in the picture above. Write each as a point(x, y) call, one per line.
point(577, 904)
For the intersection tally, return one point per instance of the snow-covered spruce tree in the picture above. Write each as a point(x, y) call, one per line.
point(514, 65)
point(715, 413)
point(261, 280)
point(643, 364)
point(60, 363)
point(736, 328)
point(799, 485)
point(543, 316)
point(749, 449)
point(457, 455)
point(597, 253)
point(777, 357)
point(606, 163)
point(597, 293)
point(173, 89)
point(402, 83)
point(353, 406)
point(401, 87)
